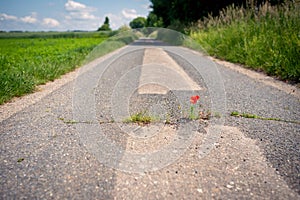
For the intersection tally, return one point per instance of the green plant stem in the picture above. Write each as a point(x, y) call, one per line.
point(253, 116)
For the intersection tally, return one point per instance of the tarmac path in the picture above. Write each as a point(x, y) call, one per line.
point(73, 142)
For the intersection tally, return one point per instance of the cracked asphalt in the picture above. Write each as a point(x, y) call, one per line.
point(74, 144)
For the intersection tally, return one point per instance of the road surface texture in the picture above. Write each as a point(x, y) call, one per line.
point(75, 141)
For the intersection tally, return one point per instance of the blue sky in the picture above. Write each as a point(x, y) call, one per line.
point(62, 15)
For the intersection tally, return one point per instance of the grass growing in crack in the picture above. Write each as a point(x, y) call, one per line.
point(245, 115)
point(140, 118)
point(253, 116)
point(107, 121)
point(67, 121)
point(73, 121)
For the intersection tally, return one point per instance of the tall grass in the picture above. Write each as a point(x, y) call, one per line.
point(264, 38)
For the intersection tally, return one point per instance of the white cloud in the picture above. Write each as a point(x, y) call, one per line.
point(49, 22)
point(129, 13)
point(4, 17)
point(123, 18)
point(74, 6)
point(79, 16)
point(31, 19)
point(79, 11)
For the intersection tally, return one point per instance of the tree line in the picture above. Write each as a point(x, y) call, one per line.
point(168, 13)
point(188, 11)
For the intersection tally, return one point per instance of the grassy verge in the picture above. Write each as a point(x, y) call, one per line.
point(28, 62)
point(265, 39)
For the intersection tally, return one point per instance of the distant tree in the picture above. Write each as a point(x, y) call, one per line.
point(105, 26)
point(138, 22)
point(106, 20)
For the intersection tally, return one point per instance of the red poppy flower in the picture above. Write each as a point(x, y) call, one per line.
point(194, 99)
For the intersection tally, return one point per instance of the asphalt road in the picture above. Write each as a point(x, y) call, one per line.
point(75, 144)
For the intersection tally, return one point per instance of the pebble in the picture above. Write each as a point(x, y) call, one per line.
point(200, 190)
point(229, 186)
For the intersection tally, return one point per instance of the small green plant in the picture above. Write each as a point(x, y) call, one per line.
point(253, 116)
point(248, 115)
point(193, 101)
point(140, 118)
point(71, 121)
point(68, 121)
point(235, 113)
point(202, 114)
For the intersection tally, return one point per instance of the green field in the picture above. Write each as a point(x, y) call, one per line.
point(28, 60)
